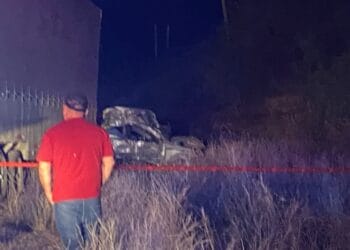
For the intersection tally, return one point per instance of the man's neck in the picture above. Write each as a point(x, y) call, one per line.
point(73, 117)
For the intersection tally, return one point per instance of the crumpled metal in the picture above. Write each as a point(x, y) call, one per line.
point(137, 137)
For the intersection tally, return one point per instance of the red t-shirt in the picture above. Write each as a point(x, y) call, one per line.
point(75, 149)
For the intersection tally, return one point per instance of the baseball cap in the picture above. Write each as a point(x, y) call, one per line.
point(76, 101)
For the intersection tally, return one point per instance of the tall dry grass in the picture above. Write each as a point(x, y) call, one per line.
point(148, 215)
point(210, 210)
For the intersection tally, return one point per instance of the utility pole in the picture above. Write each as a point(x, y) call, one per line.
point(225, 15)
point(155, 41)
point(224, 10)
point(168, 36)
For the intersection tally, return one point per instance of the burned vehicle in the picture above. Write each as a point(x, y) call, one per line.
point(137, 137)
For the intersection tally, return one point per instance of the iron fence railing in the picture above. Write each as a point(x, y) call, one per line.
point(25, 114)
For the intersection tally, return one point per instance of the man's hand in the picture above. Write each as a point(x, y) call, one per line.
point(45, 179)
point(107, 167)
point(49, 197)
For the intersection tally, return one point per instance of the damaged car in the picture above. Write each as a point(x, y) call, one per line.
point(137, 137)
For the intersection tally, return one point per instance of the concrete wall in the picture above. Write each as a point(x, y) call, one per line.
point(50, 45)
point(47, 49)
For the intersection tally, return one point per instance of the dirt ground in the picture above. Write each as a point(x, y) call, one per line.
point(17, 235)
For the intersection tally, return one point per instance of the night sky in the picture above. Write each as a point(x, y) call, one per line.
point(127, 40)
point(266, 38)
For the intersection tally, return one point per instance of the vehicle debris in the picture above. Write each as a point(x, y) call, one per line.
point(137, 137)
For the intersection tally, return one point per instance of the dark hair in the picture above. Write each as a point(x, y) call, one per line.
point(76, 101)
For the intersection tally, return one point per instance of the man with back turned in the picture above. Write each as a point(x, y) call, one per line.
point(75, 159)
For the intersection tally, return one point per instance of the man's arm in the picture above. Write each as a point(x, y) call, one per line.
point(107, 167)
point(45, 179)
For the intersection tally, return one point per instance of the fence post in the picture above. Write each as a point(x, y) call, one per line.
point(3, 176)
point(17, 175)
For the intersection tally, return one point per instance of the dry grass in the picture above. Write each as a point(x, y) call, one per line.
point(203, 210)
point(151, 215)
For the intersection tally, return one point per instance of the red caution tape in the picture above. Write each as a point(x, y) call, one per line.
point(18, 164)
point(152, 168)
point(292, 170)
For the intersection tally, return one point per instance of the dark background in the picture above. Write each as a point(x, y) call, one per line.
point(214, 74)
point(127, 42)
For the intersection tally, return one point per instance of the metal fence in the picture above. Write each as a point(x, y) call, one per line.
point(25, 114)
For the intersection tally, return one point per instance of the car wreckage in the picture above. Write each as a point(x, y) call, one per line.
point(137, 137)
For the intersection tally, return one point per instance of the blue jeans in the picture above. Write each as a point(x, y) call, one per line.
point(72, 219)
